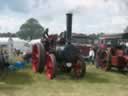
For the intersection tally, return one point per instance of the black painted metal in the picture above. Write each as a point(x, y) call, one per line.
point(69, 27)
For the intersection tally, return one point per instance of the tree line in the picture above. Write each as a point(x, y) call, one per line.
point(32, 29)
point(8, 34)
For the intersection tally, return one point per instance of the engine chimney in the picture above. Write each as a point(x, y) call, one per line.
point(69, 27)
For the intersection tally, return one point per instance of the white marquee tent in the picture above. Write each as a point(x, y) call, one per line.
point(34, 41)
point(18, 43)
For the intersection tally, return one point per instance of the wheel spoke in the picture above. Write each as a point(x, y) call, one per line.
point(35, 58)
point(79, 68)
point(50, 67)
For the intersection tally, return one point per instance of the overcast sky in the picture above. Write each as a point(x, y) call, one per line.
point(89, 16)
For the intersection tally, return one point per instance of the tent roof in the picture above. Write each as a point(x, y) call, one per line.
point(34, 41)
point(5, 39)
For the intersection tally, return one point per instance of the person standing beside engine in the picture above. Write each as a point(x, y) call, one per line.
point(91, 55)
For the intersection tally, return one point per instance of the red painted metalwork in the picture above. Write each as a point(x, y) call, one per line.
point(52, 37)
point(126, 58)
point(78, 68)
point(49, 66)
point(119, 59)
point(35, 58)
point(84, 49)
point(114, 60)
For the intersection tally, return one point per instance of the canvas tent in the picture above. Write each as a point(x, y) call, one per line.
point(18, 43)
point(34, 41)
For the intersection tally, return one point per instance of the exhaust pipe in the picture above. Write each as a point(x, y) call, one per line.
point(69, 27)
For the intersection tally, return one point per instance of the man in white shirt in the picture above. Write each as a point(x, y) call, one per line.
point(91, 55)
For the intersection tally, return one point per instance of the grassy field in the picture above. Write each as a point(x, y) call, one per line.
point(95, 83)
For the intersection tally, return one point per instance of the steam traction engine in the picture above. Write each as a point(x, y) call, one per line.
point(55, 54)
point(114, 54)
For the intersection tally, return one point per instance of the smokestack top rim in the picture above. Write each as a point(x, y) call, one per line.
point(69, 13)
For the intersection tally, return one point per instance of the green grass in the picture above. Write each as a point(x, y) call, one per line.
point(95, 83)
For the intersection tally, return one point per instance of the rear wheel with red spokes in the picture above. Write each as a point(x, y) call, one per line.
point(50, 66)
point(38, 58)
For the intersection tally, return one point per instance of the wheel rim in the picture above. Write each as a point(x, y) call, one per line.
point(49, 67)
point(35, 58)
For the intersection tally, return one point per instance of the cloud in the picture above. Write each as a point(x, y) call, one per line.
point(15, 5)
point(11, 21)
point(89, 16)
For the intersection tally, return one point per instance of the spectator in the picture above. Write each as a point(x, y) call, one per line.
point(91, 55)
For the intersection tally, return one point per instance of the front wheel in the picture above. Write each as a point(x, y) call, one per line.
point(79, 68)
point(51, 66)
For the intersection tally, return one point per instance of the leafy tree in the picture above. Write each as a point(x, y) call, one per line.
point(125, 35)
point(99, 35)
point(30, 29)
point(126, 30)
